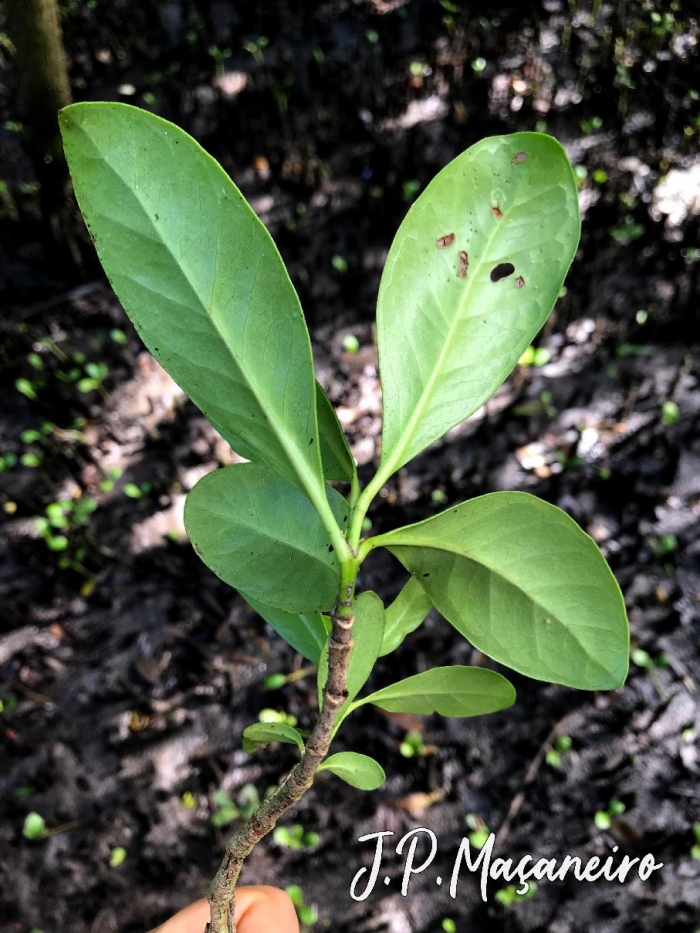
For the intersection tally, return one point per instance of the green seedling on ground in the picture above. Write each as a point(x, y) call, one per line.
point(412, 744)
point(34, 827)
point(117, 856)
point(295, 837)
point(695, 850)
point(471, 277)
point(562, 744)
point(509, 896)
point(307, 915)
point(479, 831)
point(603, 818)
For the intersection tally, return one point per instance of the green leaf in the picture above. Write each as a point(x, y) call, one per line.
point(264, 733)
point(359, 771)
point(404, 615)
point(201, 279)
point(262, 536)
point(520, 579)
point(449, 691)
point(306, 632)
point(367, 633)
point(448, 334)
point(336, 459)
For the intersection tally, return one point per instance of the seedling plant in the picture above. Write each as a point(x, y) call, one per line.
point(471, 277)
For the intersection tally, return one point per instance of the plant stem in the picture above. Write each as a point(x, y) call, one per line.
point(222, 890)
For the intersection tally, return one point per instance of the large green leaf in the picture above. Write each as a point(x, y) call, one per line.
point(449, 691)
point(262, 536)
point(367, 633)
point(525, 584)
point(404, 615)
point(201, 279)
point(355, 769)
point(471, 276)
point(306, 632)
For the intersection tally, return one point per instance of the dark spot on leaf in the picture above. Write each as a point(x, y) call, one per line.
point(519, 282)
point(157, 217)
point(311, 440)
point(519, 157)
point(444, 241)
point(497, 212)
point(502, 271)
point(330, 549)
point(463, 264)
point(426, 574)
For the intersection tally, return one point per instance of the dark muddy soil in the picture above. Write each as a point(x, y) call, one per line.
point(128, 671)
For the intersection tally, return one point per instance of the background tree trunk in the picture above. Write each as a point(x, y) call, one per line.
point(34, 27)
point(42, 72)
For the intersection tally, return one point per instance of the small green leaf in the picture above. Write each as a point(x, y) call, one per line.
point(449, 691)
point(359, 771)
point(201, 279)
point(261, 535)
point(404, 615)
point(472, 275)
point(520, 579)
point(264, 733)
point(367, 633)
point(306, 632)
point(34, 826)
point(117, 857)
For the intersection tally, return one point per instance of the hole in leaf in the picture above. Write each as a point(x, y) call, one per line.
point(519, 157)
point(519, 282)
point(463, 264)
point(502, 271)
point(444, 241)
point(497, 212)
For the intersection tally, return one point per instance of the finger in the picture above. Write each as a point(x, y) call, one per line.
point(259, 908)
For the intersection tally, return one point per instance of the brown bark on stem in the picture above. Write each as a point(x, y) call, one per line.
point(222, 890)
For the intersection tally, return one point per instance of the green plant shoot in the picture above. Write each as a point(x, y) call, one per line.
point(471, 277)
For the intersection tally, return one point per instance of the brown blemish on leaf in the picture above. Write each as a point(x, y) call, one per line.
point(444, 241)
point(519, 282)
point(519, 157)
point(497, 212)
point(502, 271)
point(463, 264)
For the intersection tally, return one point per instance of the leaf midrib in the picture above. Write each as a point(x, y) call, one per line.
point(292, 451)
point(414, 420)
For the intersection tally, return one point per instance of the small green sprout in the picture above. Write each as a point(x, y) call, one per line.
point(96, 373)
point(409, 190)
point(118, 336)
point(339, 263)
point(448, 925)
point(626, 232)
point(372, 36)
point(307, 915)
point(350, 343)
point(117, 857)
point(188, 800)
point(664, 544)
point(273, 715)
point(479, 835)
point(562, 744)
point(478, 65)
point(695, 850)
point(226, 810)
point(670, 413)
point(603, 818)
point(412, 745)
point(535, 356)
point(509, 896)
point(107, 484)
point(438, 496)
point(27, 389)
point(643, 659)
point(295, 837)
point(274, 681)
point(134, 491)
point(34, 826)
point(600, 176)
